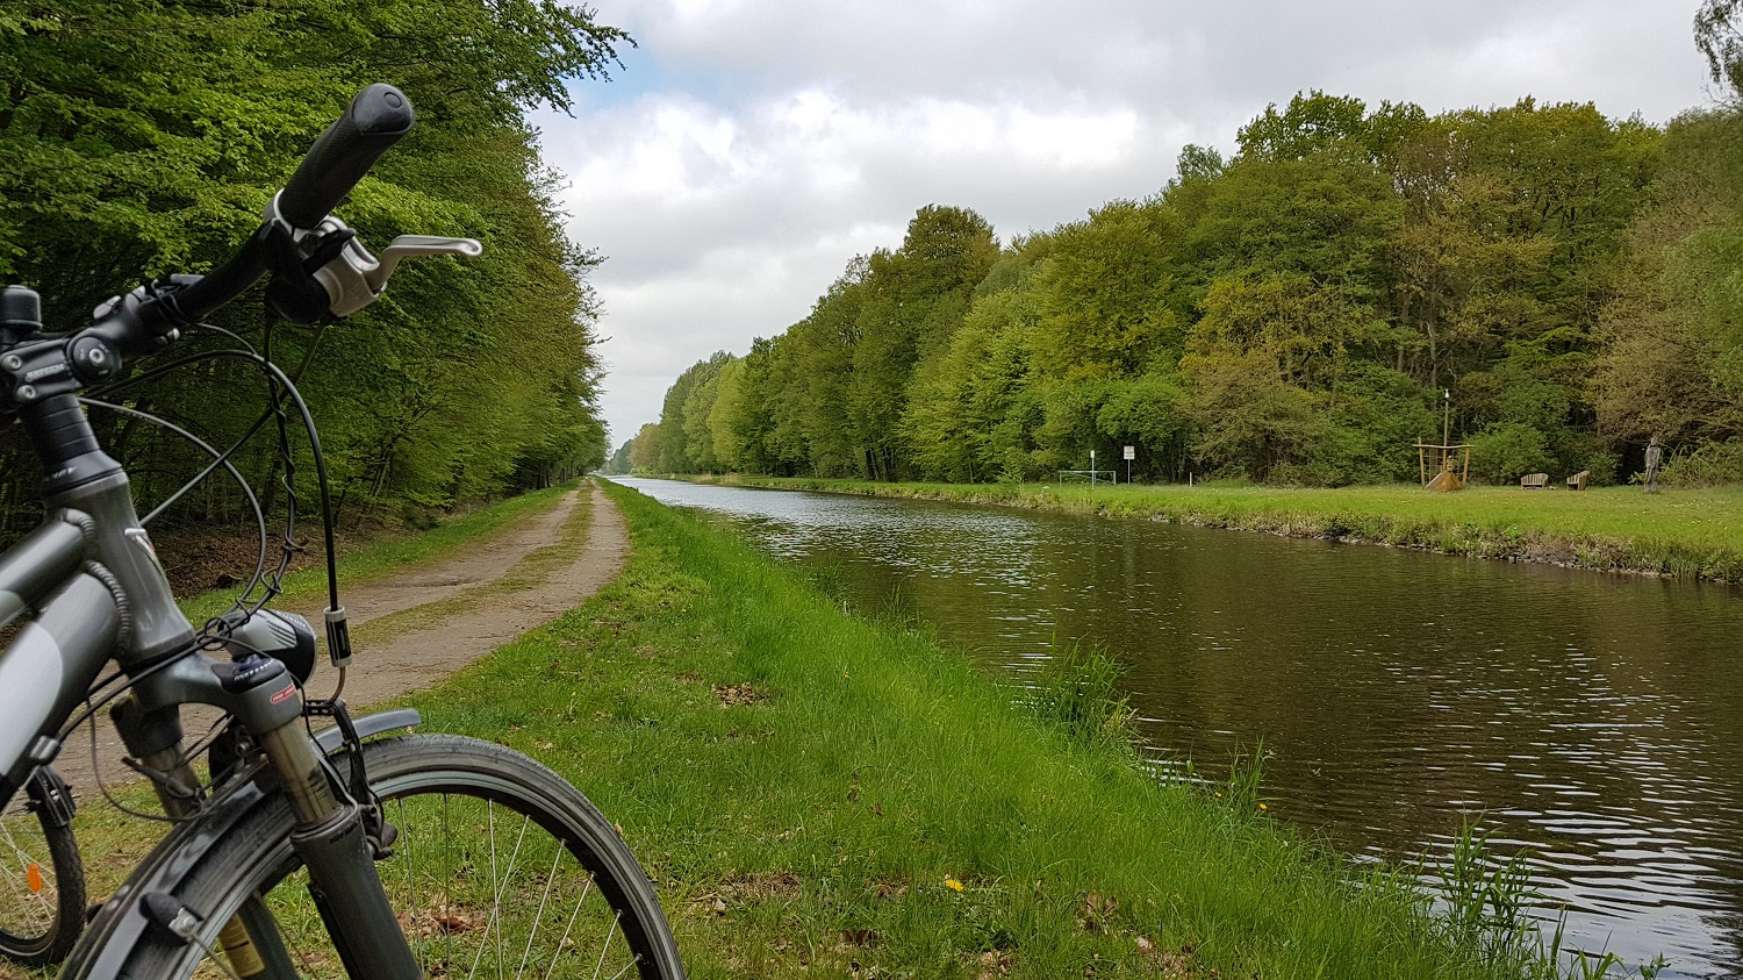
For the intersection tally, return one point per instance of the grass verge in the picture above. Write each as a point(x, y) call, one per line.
point(819, 794)
point(1690, 534)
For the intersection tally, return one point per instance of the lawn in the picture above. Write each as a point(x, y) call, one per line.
point(1693, 534)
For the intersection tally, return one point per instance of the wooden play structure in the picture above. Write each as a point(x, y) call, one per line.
point(1450, 461)
point(1451, 465)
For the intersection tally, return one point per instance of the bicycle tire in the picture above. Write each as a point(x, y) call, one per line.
point(254, 856)
point(51, 945)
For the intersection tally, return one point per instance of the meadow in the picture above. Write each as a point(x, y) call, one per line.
point(1687, 534)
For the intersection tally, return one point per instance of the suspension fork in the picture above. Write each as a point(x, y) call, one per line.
point(331, 839)
point(329, 833)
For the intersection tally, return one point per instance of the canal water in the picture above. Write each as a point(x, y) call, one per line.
point(1595, 720)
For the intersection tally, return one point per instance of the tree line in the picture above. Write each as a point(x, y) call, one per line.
point(144, 137)
point(1298, 313)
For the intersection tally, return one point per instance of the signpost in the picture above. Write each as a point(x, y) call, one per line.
point(1131, 454)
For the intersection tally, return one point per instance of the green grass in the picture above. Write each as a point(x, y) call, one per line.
point(385, 554)
point(112, 842)
point(813, 825)
point(1692, 534)
point(823, 795)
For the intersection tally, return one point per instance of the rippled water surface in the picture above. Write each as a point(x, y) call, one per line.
point(1597, 719)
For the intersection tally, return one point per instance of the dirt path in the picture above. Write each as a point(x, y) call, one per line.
point(412, 630)
point(443, 636)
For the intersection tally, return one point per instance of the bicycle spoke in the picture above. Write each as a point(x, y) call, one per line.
point(447, 884)
point(495, 919)
point(607, 947)
point(550, 879)
point(561, 943)
point(501, 885)
point(33, 906)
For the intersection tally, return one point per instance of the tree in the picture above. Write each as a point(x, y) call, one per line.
point(1719, 36)
point(913, 301)
point(468, 379)
point(1248, 420)
point(1293, 313)
point(1104, 293)
point(1672, 361)
point(1312, 123)
point(644, 449)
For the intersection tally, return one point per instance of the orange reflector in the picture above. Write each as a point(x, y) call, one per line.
point(33, 877)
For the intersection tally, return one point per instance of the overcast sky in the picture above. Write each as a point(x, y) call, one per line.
point(750, 148)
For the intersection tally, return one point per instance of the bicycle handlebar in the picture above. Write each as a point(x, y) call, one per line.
point(375, 120)
point(35, 368)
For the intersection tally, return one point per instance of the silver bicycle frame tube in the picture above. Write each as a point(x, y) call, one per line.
point(93, 577)
point(48, 667)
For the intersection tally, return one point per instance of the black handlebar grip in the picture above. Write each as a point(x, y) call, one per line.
point(374, 121)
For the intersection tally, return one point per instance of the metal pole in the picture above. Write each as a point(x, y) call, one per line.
point(1092, 469)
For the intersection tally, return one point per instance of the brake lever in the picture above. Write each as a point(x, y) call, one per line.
point(416, 246)
point(347, 273)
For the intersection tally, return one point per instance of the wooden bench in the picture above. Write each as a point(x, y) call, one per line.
point(1578, 480)
point(1534, 481)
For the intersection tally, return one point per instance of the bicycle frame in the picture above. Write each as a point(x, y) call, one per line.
point(93, 577)
point(92, 572)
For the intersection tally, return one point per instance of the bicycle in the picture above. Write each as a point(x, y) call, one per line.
point(359, 851)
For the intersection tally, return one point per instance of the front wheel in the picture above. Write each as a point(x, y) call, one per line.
point(500, 869)
point(42, 881)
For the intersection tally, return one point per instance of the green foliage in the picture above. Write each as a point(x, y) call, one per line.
point(1506, 451)
point(465, 380)
point(1672, 362)
point(1485, 903)
point(1295, 314)
point(1718, 35)
point(1712, 465)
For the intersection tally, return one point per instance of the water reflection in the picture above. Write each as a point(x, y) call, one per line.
point(1594, 718)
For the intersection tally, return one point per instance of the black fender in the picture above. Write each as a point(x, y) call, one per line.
point(104, 947)
point(382, 721)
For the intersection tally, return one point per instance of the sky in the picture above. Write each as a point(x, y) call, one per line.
point(748, 149)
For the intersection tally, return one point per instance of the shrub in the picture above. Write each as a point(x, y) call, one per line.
point(1506, 451)
point(1710, 465)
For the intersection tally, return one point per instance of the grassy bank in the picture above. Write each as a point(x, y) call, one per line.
point(1690, 534)
point(819, 794)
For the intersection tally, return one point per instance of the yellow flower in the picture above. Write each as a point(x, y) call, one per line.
point(1263, 807)
point(953, 884)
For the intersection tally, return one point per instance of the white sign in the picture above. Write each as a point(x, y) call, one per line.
point(1131, 452)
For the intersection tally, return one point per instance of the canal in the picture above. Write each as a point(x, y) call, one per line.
point(1595, 720)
